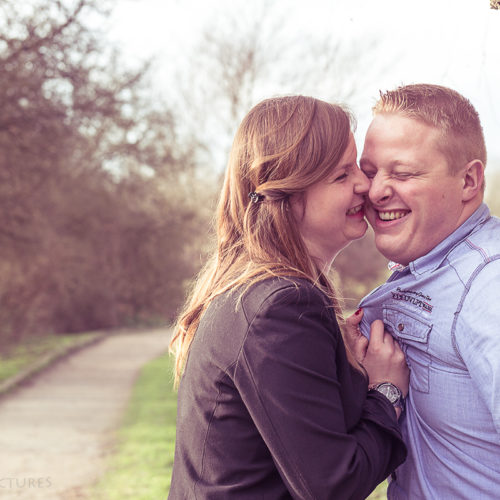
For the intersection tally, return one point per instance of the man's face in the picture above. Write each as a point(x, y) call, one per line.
point(414, 202)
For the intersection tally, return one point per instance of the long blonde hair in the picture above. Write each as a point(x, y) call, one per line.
point(283, 146)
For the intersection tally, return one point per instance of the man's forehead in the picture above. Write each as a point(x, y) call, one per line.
point(401, 131)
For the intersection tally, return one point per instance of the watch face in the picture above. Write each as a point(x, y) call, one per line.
point(389, 391)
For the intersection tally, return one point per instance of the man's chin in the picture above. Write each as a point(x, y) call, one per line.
point(387, 248)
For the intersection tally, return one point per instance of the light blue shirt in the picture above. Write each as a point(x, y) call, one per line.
point(444, 308)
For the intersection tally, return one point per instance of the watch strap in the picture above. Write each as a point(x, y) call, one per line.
point(399, 402)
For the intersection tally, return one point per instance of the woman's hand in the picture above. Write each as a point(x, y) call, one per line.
point(384, 360)
point(355, 340)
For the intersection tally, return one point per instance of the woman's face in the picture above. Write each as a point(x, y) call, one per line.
point(330, 214)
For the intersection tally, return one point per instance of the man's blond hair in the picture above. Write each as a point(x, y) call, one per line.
point(461, 139)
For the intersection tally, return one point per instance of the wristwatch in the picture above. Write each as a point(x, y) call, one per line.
point(391, 392)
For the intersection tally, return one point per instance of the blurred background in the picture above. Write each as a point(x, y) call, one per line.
point(117, 117)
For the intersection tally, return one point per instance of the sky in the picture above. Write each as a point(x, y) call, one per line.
point(456, 44)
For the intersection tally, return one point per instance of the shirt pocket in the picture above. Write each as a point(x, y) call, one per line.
point(413, 335)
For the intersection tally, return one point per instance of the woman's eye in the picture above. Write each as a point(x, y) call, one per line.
point(340, 177)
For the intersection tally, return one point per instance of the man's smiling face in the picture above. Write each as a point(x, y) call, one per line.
point(414, 201)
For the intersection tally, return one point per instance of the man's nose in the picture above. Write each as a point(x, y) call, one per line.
point(380, 189)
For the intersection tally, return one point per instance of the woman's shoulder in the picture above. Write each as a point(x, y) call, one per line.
point(282, 291)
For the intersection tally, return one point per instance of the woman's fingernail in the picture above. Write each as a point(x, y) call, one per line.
point(358, 311)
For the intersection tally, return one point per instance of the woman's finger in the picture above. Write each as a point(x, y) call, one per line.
point(377, 333)
point(355, 319)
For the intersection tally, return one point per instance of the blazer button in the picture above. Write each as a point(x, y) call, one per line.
point(401, 327)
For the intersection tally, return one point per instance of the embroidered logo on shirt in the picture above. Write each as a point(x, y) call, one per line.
point(416, 298)
point(394, 266)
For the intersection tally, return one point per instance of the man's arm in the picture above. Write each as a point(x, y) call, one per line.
point(477, 336)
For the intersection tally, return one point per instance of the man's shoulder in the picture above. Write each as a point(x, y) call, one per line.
point(483, 242)
point(479, 249)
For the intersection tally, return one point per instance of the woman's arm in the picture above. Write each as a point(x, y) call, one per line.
point(288, 377)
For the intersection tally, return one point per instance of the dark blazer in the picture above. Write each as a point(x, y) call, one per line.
point(270, 408)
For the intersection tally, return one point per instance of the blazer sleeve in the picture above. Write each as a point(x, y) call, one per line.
point(287, 376)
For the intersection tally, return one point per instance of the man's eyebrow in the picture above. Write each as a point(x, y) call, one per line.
point(365, 162)
point(401, 163)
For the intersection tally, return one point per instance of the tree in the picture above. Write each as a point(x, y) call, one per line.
point(96, 225)
point(244, 57)
point(493, 186)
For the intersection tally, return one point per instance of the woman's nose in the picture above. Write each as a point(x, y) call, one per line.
point(362, 184)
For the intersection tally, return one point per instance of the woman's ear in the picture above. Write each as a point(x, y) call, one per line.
point(473, 177)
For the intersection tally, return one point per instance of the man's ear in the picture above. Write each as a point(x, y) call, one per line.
point(473, 177)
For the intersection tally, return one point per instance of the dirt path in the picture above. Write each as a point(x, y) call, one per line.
point(55, 432)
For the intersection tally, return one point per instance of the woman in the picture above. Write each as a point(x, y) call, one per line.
point(272, 405)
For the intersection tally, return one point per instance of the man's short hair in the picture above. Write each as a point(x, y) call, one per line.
point(462, 138)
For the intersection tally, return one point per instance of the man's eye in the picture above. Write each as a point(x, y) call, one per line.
point(403, 175)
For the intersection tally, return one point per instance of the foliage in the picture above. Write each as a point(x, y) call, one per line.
point(380, 492)
point(492, 186)
point(358, 269)
point(248, 54)
point(142, 464)
point(95, 229)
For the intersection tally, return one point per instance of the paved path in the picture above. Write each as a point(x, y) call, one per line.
point(55, 432)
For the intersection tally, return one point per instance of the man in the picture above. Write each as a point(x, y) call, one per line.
point(425, 155)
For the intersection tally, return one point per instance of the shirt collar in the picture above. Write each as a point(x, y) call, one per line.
point(435, 257)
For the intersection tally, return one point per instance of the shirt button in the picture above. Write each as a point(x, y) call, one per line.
point(401, 327)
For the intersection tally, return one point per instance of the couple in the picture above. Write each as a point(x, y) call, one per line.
point(274, 401)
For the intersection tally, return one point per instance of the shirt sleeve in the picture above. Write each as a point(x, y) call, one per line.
point(288, 377)
point(477, 336)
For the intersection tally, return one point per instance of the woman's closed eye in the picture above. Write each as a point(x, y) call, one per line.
point(342, 173)
point(340, 177)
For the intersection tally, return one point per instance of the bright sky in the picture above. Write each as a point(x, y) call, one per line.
point(456, 44)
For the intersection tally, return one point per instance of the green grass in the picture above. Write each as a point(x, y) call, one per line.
point(380, 492)
point(141, 466)
point(24, 355)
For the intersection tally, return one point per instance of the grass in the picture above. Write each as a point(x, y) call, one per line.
point(380, 492)
point(26, 354)
point(141, 466)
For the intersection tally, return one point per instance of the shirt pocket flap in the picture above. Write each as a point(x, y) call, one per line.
point(406, 326)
